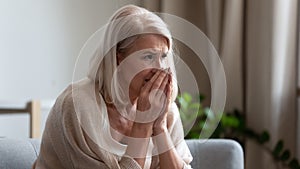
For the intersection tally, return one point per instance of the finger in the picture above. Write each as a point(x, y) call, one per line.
point(168, 91)
point(145, 91)
point(163, 97)
point(162, 94)
point(167, 82)
point(159, 80)
point(147, 87)
point(164, 83)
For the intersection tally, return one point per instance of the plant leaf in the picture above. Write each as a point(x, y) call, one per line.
point(285, 155)
point(264, 137)
point(187, 97)
point(294, 164)
point(201, 97)
point(278, 148)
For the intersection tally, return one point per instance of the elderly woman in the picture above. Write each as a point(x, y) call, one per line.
point(123, 114)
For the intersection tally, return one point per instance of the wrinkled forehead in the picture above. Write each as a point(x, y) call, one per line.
point(150, 43)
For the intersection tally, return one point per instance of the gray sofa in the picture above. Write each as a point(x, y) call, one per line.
point(209, 154)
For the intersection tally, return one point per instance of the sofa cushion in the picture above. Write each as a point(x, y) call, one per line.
point(18, 153)
point(207, 154)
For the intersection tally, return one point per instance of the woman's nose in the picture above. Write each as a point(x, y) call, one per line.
point(160, 64)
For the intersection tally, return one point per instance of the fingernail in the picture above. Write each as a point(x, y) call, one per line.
point(153, 70)
point(169, 70)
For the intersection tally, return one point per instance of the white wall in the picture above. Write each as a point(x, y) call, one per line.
point(39, 43)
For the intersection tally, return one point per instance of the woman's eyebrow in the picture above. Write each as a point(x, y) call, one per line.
point(151, 52)
point(155, 52)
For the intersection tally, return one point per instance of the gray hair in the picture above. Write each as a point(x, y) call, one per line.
point(124, 27)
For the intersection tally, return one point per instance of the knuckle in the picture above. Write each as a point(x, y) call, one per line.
point(143, 94)
point(155, 86)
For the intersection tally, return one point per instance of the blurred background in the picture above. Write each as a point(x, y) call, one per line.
point(257, 41)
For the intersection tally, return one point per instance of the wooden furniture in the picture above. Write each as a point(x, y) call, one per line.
point(33, 108)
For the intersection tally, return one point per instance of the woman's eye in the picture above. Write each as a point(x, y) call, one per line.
point(149, 57)
point(164, 56)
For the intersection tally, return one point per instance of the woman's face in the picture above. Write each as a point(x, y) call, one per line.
point(147, 52)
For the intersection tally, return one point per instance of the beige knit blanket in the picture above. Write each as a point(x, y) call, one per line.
point(68, 144)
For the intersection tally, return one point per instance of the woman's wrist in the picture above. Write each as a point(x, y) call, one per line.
point(141, 130)
point(159, 129)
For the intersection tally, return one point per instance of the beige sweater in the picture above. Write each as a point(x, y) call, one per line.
point(66, 145)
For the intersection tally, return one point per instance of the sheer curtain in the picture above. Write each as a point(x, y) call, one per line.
point(222, 23)
point(298, 93)
point(271, 38)
point(257, 42)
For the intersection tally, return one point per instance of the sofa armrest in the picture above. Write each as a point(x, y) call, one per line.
point(216, 154)
point(18, 153)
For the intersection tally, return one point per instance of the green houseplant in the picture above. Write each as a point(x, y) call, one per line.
point(232, 125)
